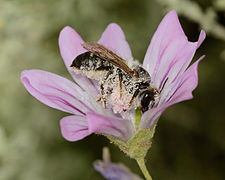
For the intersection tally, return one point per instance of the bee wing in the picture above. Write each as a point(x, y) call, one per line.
point(106, 54)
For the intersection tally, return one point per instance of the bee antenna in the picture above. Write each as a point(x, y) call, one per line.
point(163, 85)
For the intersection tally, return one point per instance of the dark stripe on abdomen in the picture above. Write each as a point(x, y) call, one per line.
point(88, 61)
point(81, 60)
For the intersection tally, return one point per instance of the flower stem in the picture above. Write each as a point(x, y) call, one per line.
point(143, 168)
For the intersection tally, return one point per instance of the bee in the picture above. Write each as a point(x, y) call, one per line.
point(122, 86)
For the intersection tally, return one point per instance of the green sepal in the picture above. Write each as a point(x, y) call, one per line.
point(138, 115)
point(138, 146)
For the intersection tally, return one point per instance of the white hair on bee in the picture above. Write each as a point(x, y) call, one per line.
point(124, 85)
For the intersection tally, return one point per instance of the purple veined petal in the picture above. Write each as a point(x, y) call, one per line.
point(170, 52)
point(70, 47)
point(177, 69)
point(74, 128)
point(183, 91)
point(150, 117)
point(114, 39)
point(122, 129)
point(164, 34)
point(188, 82)
point(201, 38)
point(55, 91)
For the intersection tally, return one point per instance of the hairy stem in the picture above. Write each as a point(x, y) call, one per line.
point(143, 168)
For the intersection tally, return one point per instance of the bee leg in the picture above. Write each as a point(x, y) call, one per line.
point(99, 99)
point(134, 96)
point(102, 92)
point(120, 82)
point(103, 99)
point(101, 96)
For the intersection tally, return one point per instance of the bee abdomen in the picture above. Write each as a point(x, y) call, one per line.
point(88, 61)
point(81, 61)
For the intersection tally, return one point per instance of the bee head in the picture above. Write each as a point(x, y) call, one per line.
point(147, 98)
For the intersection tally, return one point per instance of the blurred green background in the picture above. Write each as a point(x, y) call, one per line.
point(190, 139)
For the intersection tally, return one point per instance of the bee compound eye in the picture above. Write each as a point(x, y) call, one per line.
point(146, 97)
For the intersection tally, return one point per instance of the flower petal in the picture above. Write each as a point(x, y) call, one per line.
point(122, 129)
point(55, 91)
point(70, 47)
point(115, 171)
point(187, 84)
point(149, 118)
point(114, 39)
point(170, 52)
point(74, 128)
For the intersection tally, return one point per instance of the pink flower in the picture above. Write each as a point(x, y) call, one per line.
point(167, 57)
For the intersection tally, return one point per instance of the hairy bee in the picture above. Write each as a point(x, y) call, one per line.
point(121, 86)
